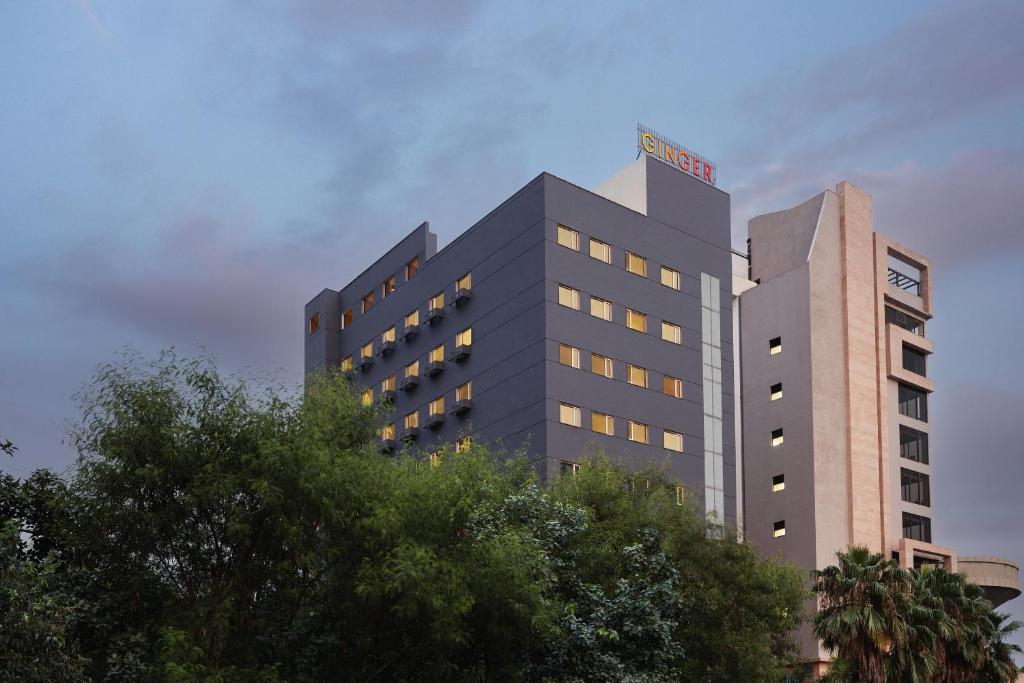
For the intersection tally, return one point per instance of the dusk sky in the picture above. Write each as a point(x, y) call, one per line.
point(189, 174)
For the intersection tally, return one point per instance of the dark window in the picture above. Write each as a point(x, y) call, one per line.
point(913, 403)
point(917, 528)
point(914, 360)
point(914, 487)
point(568, 468)
point(904, 320)
point(913, 444)
point(775, 345)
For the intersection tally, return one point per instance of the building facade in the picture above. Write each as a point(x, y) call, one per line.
point(564, 322)
point(835, 387)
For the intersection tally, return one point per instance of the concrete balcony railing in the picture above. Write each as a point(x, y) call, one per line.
point(999, 577)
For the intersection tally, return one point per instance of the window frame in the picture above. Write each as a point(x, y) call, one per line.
point(633, 430)
point(573, 294)
point(778, 437)
point(437, 301)
point(604, 305)
point(414, 314)
point(411, 369)
point(675, 278)
point(574, 356)
point(672, 327)
point(608, 365)
point(778, 483)
point(464, 392)
point(607, 420)
point(573, 237)
point(667, 435)
point(432, 407)
point(412, 267)
point(603, 247)
point(366, 303)
point(642, 317)
point(436, 354)
point(642, 261)
point(676, 382)
point(575, 412)
point(775, 346)
point(464, 282)
point(464, 338)
point(644, 374)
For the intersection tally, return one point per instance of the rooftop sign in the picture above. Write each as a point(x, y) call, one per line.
point(672, 153)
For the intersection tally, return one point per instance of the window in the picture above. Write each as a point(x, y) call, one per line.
point(636, 264)
point(779, 529)
point(412, 369)
point(569, 355)
point(411, 268)
point(917, 528)
point(776, 391)
point(436, 354)
point(600, 250)
point(901, 319)
point(567, 296)
point(671, 333)
point(346, 318)
point(387, 287)
point(464, 338)
point(366, 351)
point(367, 397)
point(636, 320)
point(670, 278)
point(462, 445)
point(602, 365)
point(601, 423)
point(569, 415)
point(464, 282)
point(387, 432)
point(346, 364)
point(412, 319)
point(637, 375)
point(464, 392)
point(913, 444)
point(777, 437)
point(778, 483)
point(314, 323)
point(913, 403)
point(680, 495)
point(437, 301)
point(673, 386)
point(435, 458)
point(775, 346)
point(914, 360)
point(637, 432)
point(388, 384)
point(568, 237)
point(437, 406)
point(567, 469)
point(388, 335)
point(367, 303)
point(412, 420)
point(599, 308)
point(673, 441)
point(914, 487)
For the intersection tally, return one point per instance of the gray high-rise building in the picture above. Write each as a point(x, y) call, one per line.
point(564, 321)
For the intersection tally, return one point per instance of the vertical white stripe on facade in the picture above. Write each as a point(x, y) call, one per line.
point(711, 372)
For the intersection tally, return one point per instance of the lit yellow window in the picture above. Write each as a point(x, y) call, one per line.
point(569, 355)
point(673, 441)
point(569, 415)
point(775, 346)
point(603, 424)
point(567, 296)
point(388, 384)
point(411, 268)
point(636, 264)
point(412, 420)
point(670, 278)
point(412, 369)
point(462, 445)
point(778, 483)
point(367, 350)
point(600, 250)
point(637, 375)
point(636, 320)
point(671, 333)
point(437, 301)
point(602, 365)
point(387, 287)
point(464, 392)
point(387, 432)
point(464, 338)
point(346, 318)
point(673, 386)
point(436, 353)
point(599, 308)
point(637, 432)
point(367, 302)
point(346, 364)
point(776, 391)
point(779, 529)
point(568, 237)
point(389, 335)
point(413, 318)
point(464, 282)
point(680, 495)
point(437, 406)
point(367, 397)
point(777, 437)
point(314, 323)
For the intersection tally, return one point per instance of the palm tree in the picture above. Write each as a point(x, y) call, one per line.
point(864, 605)
point(998, 665)
point(955, 613)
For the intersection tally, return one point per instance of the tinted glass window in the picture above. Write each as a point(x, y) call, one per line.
point(913, 444)
point(913, 403)
point(914, 487)
point(914, 360)
point(904, 320)
point(917, 528)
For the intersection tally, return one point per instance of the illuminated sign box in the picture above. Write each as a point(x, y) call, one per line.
point(669, 152)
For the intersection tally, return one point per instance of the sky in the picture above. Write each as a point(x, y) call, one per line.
point(189, 174)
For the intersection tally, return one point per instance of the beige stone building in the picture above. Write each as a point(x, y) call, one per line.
point(834, 390)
